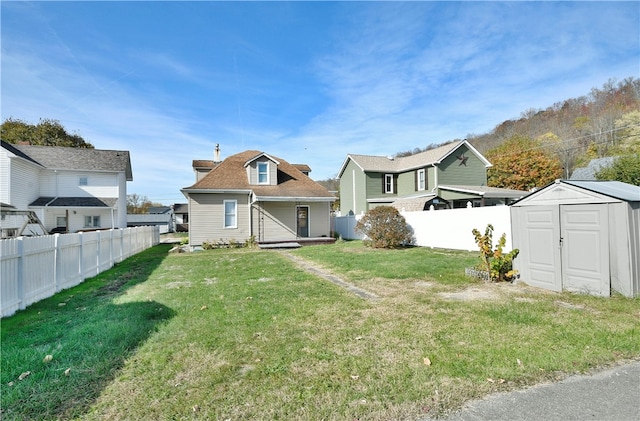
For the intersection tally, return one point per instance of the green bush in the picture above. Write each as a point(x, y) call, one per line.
point(384, 227)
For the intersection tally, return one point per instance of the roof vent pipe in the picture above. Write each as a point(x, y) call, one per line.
point(216, 155)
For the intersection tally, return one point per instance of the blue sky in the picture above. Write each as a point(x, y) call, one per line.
point(308, 82)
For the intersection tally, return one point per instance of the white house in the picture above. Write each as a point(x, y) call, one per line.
point(70, 189)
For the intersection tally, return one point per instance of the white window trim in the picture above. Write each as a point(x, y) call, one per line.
point(422, 184)
point(224, 214)
point(258, 172)
point(388, 183)
point(93, 220)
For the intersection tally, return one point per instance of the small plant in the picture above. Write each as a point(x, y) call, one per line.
point(208, 245)
point(495, 262)
point(384, 228)
point(251, 242)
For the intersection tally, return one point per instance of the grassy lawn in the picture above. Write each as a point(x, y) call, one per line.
point(245, 334)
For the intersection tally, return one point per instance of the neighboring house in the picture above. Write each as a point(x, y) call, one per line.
point(69, 189)
point(160, 216)
point(450, 176)
point(595, 165)
point(181, 217)
point(253, 194)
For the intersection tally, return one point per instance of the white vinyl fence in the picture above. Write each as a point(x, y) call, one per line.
point(447, 228)
point(34, 268)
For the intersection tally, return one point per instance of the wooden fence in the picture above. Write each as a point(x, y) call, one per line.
point(447, 228)
point(34, 268)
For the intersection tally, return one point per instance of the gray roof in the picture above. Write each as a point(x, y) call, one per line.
point(78, 159)
point(159, 209)
point(180, 208)
point(616, 189)
point(406, 163)
point(595, 165)
point(412, 204)
point(75, 202)
point(488, 192)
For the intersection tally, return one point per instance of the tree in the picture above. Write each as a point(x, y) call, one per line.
point(628, 133)
point(625, 169)
point(46, 133)
point(522, 163)
point(137, 204)
point(384, 227)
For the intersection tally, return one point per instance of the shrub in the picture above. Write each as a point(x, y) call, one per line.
point(384, 227)
point(495, 262)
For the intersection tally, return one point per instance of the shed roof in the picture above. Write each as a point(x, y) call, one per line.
point(616, 189)
point(585, 191)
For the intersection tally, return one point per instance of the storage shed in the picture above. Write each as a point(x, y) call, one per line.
point(579, 236)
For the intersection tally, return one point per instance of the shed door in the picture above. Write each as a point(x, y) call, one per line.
point(540, 234)
point(585, 248)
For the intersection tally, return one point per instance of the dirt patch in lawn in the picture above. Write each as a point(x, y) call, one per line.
point(470, 294)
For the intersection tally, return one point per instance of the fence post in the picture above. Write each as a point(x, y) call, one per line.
point(98, 249)
point(20, 248)
point(56, 254)
point(81, 260)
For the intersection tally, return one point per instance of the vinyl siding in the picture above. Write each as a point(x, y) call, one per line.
point(276, 221)
point(67, 184)
point(252, 171)
point(374, 186)
point(4, 176)
point(352, 179)
point(206, 218)
point(407, 183)
point(24, 184)
point(451, 172)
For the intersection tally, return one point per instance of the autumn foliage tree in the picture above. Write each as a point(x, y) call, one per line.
point(46, 133)
point(522, 163)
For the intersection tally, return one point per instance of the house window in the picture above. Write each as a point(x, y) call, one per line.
point(421, 179)
point(92, 221)
point(61, 221)
point(263, 173)
point(230, 213)
point(84, 181)
point(388, 183)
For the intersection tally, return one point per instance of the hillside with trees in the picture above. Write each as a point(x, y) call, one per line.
point(544, 144)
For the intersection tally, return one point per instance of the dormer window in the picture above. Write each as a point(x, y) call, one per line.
point(263, 173)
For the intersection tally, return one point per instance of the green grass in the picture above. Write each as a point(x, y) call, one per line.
point(245, 334)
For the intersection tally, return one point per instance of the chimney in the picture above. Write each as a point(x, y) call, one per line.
point(216, 155)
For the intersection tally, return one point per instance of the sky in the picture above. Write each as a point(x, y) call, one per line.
point(308, 82)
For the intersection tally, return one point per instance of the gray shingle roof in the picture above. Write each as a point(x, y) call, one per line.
point(78, 159)
point(76, 202)
point(231, 174)
point(406, 163)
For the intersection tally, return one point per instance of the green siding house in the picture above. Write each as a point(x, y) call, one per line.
point(450, 176)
